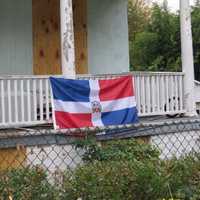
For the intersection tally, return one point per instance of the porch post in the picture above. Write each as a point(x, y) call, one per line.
point(187, 57)
point(67, 38)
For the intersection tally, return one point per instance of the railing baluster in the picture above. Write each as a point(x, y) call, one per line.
point(162, 93)
point(153, 95)
point(34, 100)
point(16, 100)
point(3, 102)
point(47, 98)
point(181, 92)
point(148, 100)
point(143, 95)
point(41, 99)
point(158, 93)
point(172, 94)
point(176, 94)
point(28, 100)
point(22, 99)
point(167, 92)
point(9, 102)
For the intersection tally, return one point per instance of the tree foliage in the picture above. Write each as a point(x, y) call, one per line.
point(155, 45)
point(139, 13)
point(196, 38)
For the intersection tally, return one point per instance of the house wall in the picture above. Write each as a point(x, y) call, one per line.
point(16, 37)
point(107, 36)
point(107, 41)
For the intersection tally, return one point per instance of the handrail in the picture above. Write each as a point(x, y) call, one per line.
point(5, 77)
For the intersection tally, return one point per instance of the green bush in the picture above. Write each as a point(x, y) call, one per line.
point(117, 170)
point(117, 181)
point(128, 150)
point(184, 177)
point(123, 170)
point(26, 184)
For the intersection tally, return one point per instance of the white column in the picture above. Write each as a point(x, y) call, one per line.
point(67, 38)
point(187, 57)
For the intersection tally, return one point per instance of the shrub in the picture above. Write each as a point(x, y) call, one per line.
point(128, 150)
point(184, 177)
point(26, 184)
point(123, 170)
point(117, 170)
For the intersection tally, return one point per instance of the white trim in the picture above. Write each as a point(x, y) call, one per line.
point(187, 57)
point(94, 96)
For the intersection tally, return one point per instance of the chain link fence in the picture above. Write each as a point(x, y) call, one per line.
point(56, 151)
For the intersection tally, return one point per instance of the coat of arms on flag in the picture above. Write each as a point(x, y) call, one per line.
point(93, 103)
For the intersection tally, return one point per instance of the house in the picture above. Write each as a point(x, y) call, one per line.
point(31, 34)
point(39, 38)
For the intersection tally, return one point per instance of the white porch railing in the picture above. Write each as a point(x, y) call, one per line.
point(159, 93)
point(25, 100)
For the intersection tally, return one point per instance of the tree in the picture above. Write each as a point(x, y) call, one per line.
point(138, 16)
point(155, 37)
point(196, 38)
point(157, 47)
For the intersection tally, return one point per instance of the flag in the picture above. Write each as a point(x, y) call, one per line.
point(93, 103)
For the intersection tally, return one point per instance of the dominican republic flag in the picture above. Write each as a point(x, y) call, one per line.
point(93, 103)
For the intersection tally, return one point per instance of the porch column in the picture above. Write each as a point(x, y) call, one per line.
point(187, 57)
point(67, 38)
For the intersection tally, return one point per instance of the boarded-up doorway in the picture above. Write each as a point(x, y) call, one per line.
point(80, 34)
point(46, 36)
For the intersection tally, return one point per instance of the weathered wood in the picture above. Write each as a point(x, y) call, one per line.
point(46, 37)
point(80, 36)
point(12, 158)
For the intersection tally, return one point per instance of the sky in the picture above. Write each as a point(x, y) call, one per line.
point(173, 4)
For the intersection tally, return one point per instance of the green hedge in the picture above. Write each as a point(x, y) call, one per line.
point(118, 170)
point(130, 170)
point(26, 184)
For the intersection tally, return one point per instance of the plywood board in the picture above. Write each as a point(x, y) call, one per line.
point(80, 35)
point(46, 37)
point(12, 158)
